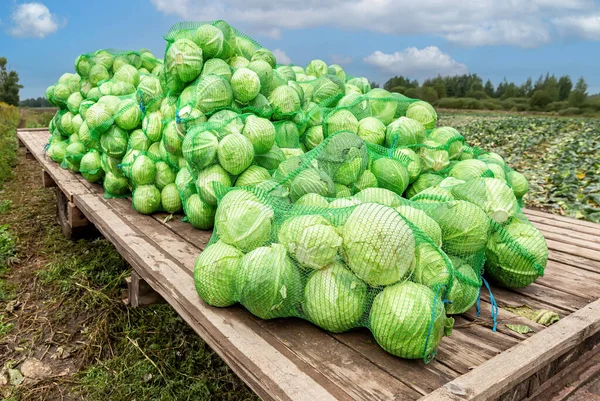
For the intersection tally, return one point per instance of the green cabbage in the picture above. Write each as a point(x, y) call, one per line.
point(146, 199)
point(215, 274)
point(378, 245)
point(334, 298)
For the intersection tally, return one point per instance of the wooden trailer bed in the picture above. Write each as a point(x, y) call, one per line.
point(290, 359)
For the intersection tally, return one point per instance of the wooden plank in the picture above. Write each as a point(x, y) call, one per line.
point(570, 220)
point(423, 378)
point(362, 380)
point(573, 250)
point(590, 242)
point(545, 223)
point(505, 297)
point(47, 180)
point(505, 371)
point(140, 293)
point(574, 260)
point(571, 280)
point(234, 336)
point(186, 231)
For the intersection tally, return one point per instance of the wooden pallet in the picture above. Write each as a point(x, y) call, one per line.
point(290, 359)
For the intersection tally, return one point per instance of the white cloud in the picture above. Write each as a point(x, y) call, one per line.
point(341, 60)
point(470, 23)
point(586, 26)
point(417, 63)
point(32, 20)
point(281, 57)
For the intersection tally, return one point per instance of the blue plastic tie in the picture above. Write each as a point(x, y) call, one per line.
point(493, 303)
point(142, 108)
point(46, 147)
point(431, 325)
point(177, 118)
point(119, 165)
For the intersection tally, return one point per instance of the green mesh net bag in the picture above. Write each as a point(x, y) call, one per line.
point(330, 200)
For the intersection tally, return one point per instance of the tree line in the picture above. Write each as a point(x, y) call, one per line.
point(547, 93)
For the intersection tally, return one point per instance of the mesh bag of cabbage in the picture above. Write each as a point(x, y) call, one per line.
point(192, 44)
point(152, 180)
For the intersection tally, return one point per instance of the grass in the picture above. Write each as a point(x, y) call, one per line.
point(60, 302)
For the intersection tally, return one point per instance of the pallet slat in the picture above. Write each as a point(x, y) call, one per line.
point(289, 359)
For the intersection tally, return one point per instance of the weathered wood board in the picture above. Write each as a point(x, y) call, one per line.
point(291, 359)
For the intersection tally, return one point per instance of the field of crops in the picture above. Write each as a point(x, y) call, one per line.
point(559, 156)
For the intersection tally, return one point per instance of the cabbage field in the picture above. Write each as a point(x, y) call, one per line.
point(342, 204)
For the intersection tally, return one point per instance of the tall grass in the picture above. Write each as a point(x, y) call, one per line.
point(9, 120)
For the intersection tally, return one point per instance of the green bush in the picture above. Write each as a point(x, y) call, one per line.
point(479, 95)
point(491, 104)
point(570, 111)
point(540, 100)
point(557, 106)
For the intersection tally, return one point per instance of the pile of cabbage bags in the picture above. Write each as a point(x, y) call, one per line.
point(331, 201)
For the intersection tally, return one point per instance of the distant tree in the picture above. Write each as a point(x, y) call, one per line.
point(579, 95)
point(551, 86)
point(501, 88)
point(428, 94)
point(414, 93)
point(489, 88)
point(374, 84)
point(526, 89)
point(9, 84)
point(510, 90)
point(35, 102)
point(540, 99)
point(564, 87)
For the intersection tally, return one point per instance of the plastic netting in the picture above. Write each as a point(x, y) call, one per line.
point(332, 201)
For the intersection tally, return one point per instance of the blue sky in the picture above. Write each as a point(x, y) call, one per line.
point(373, 38)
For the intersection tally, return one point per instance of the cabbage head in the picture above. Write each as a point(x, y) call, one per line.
point(371, 130)
point(311, 240)
point(450, 138)
point(378, 245)
point(465, 226)
point(469, 169)
point(210, 39)
point(422, 112)
point(285, 102)
point(383, 106)
point(128, 115)
point(311, 180)
point(408, 320)
point(268, 283)
point(164, 175)
point(465, 287)
point(516, 254)
point(245, 84)
point(311, 200)
point(170, 198)
point(185, 183)
point(91, 166)
point(518, 183)
point(143, 171)
point(432, 158)
point(115, 185)
point(404, 132)
point(272, 159)
point(215, 274)
point(334, 298)
point(378, 195)
point(344, 157)
point(391, 174)
point(200, 148)
point(243, 220)
point(340, 120)
point(199, 213)
point(432, 267)
point(261, 133)
point(425, 223)
point(252, 176)
point(235, 153)
point(183, 60)
point(423, 182)
point(213, 92)
point(146, 199)
point(491, 194)
point(206, 180)
point(414, 166)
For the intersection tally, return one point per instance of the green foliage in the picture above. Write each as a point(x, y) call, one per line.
point(8, 247)
point(558, 156)
point(9, 119)
point(9, 84)
point(540, 99)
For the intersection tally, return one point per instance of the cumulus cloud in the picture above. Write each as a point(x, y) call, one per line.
point(341, 60)
point(418, 63)
point(281, 57)
point(585, 26)
point(32, 20)
point(469, 23)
